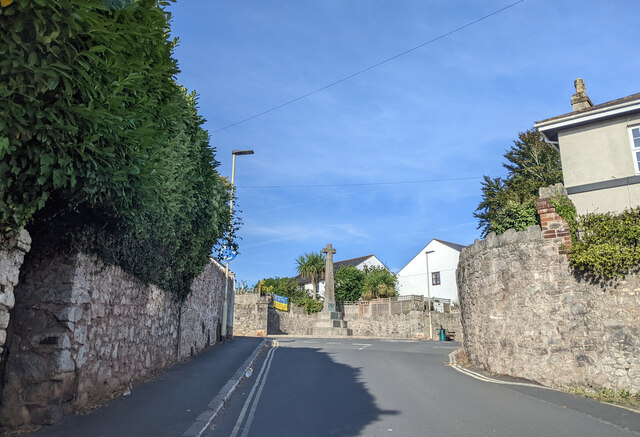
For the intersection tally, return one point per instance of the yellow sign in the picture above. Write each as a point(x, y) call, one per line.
point(5, 3)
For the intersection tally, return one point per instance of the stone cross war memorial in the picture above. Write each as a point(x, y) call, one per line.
point(330, 322)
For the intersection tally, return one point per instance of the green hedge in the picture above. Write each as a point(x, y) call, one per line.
point(607, 245)
point(100, 149)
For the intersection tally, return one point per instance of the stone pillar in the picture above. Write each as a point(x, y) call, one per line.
point(329, 288)
point(12, 252)
point(553, 226)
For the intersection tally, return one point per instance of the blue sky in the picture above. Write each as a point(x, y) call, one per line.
point(448, 110)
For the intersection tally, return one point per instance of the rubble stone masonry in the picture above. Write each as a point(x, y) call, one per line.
point(525, 314)
point(250, 315)
point(82, 332)
point(12, 252)
point(254, 317)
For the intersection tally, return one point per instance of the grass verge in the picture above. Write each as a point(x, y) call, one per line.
point(619, 397)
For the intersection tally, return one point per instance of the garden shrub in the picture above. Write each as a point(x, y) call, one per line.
point(607, 245)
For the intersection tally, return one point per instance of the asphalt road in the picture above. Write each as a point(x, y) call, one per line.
point(352, 387)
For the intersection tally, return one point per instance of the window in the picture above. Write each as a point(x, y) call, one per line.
point(635, 147)
point(435, 278)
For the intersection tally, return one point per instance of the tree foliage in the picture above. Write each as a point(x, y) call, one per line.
point(311, 265)
point(349, 284)
point(510, 203)
point(101, 150)
point(378, 282)
point(289, 287)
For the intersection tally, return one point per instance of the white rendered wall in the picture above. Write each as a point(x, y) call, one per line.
point(412, 279)
point(371, 262)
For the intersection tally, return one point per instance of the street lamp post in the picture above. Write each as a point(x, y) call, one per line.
point(225, 308)
point(429, 294)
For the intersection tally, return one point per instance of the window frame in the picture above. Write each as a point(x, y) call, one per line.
point(634, 149)
point(436, 278)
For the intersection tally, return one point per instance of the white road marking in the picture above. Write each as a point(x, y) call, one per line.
point(401, 341)
point(259, 381)
point(363, 345)
point(333, 342)
point(252, 413)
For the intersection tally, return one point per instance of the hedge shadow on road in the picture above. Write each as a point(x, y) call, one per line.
point(308, 394)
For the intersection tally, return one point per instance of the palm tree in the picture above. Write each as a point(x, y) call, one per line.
point(311, 265)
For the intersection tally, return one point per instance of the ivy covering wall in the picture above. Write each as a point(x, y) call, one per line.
point(100, 148)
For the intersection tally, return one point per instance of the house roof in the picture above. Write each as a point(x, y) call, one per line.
point(455, 246)
point(336, 265)
point(603, 111)
point(631, 98)
point(352, 261)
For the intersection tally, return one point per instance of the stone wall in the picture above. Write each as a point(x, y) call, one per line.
point(292, 322)
point(201, 312)
point(525, 314)
point(12, 252)
point(82, 332)
point(250, 315)
point(255, 316)
point(414, 325)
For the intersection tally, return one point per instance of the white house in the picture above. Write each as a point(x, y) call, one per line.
point(359, 263)
point(443, 261)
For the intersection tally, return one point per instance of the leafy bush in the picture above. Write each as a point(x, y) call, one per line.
point(518, 216)
point(102, 150)
point(309, 304)
point(378, 282)
point(608, 245)
point(349, 284)
point(290, 288)
point(565, 209)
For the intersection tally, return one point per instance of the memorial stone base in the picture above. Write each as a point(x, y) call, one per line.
point(330, 324)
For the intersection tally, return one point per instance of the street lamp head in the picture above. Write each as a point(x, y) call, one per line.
point(429, 251)
point(242, 152)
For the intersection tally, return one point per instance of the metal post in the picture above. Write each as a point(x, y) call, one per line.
point(225, 307)
point(429, 295)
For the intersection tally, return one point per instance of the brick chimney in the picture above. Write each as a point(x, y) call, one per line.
point(580, 100)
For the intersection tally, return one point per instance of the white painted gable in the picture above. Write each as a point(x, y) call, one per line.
point(412, 278)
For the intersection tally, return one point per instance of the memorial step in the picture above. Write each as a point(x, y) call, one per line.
point(330, 324)
point(331, 332)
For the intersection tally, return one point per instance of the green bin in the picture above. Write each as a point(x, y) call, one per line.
point(443, 336)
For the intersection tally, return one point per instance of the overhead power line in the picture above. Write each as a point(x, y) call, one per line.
point(357, 73)
point(362, 184)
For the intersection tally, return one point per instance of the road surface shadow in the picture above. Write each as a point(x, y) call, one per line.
point(308, 394)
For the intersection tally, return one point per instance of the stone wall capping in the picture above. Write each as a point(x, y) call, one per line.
point(552, 191)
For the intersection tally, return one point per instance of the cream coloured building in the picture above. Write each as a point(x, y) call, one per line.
point(600, 151)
